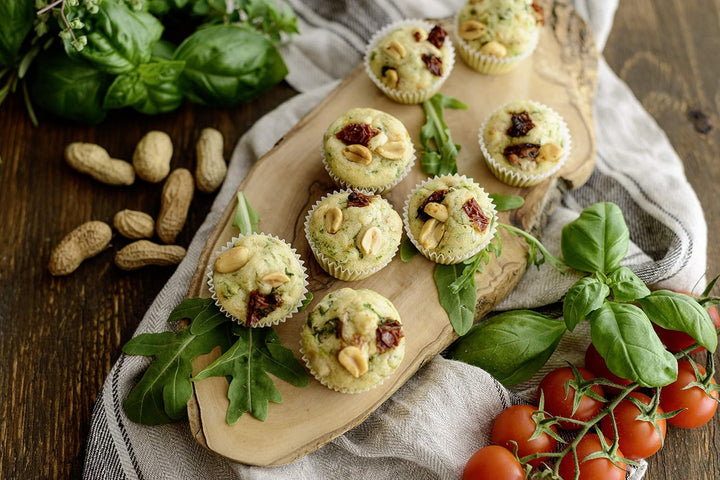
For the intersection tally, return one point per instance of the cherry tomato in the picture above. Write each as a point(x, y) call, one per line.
point(676, 341)
point(595, 469)
point(596, 364)
point(700, 407)
point(560, 405)
point(638, 438)
point(493, 462)
point(516, 424)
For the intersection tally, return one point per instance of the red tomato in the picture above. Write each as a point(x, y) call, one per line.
point(700, 407)
point(676, 341)
point(493, 462)
point(595, 469)
point(596, 364)
point(638, 438)
point(560, 405)
point(516, 424)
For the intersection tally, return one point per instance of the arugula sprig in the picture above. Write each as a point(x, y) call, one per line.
point(439, 153)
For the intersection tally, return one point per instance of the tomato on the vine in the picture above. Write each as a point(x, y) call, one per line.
point(595, 469)
point(676, 341)
point(559, 404)
point(516, 424)
point(699, 406)
point(638, 438)
point(596, 364)
point(494, 462)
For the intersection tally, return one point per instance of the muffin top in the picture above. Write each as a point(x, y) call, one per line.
point(258, 281)
point(450, 216)
point(501, 28)
point(410, 57)
point(367, 149)
point(526, 137)
point(353, 340)
point(354, 230)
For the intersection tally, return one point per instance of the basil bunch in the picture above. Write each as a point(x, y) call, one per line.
point(115, 57)
point(618, 305)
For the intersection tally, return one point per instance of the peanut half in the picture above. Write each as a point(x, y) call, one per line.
point(84, 242)
point(232, 260)
point(275, 278)
point(133, 224)
point(144, 252)
point(370, 241)
point(494, 49)
point(174, 204)
point(152, 156)
point(392, 150)
point(354, 361)
point(395, 50)
point(358, 154)
point(471, 30)
point(211, 168)
point(431, 234)
point(550, 152)
point(390, 78)
point(95, 161)
point(333, 219)
point(437, 211)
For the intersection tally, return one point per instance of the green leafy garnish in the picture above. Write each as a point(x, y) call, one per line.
point(460, 306)
point(587, 295)
point(407, 250)
point(535, 248)
point(246, 218)
point(256, 353)
point(504, 203)
point(439, 153)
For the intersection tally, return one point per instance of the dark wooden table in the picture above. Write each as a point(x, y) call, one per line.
point(60, 336)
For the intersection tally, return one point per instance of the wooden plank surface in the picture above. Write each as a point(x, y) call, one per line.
point(59, 337)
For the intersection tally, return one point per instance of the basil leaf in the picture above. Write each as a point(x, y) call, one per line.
point(504, 203)
point(256, 353)
point(68, 88)
point(16, 19)
point(439, 152)
point(626, 286)
point(118, 38)
point(151, 89)
point(597, 240)
point(227, 64)
point(587, 295)
point(676, 311)
point(162, 393)
point(407, 250)
point(246, 218)
point(460, 306)
point(624, 337)
point(163, 50)
point(511, 346)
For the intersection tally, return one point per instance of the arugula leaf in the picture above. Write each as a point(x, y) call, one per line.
point(511, 346)
point(439, 151)
point(504, 203)
point(407, 250)
point(597, 240)
point(204, 313)
point(536, 247)
point(626, 286)
point(460, 305)
point(256, 351)
point(587, 295)
point(162, 393)
point(624, 337)
point(475, 264)
point(246, 218)
point(677, 311)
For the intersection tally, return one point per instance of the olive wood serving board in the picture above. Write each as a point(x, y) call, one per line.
point(289, 179)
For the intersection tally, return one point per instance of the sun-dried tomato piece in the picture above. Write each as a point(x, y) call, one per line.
point(473, 210)
point(520, 124)
point(388, 335)
point(359, 199)
point(357, 133)
point(437, 36)
point(437, 196)
point(539, 13)
point(433, 64)
point(521, 151)
point(260, 306)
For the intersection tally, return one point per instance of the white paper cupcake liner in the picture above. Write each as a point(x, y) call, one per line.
point(379, 189)
point(402, 96)
point(489, 64)
point(513, 177)
point(332, 267)
point(240, 321)
point(441, 257)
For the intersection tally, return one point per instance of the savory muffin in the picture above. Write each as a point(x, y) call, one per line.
point(367, 149)
point(352, 340)
point(449, 218)
point(524, 142)
point(353, 234)
point(493, 36)
point(409, 60)
point(257, 280)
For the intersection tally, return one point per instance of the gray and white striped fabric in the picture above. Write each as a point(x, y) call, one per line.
point(434, 423)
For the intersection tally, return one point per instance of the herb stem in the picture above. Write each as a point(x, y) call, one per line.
point(555, 262)
point(49, 7)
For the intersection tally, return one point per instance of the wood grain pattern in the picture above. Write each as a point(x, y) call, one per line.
point(310, 417)
point(668, 53)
